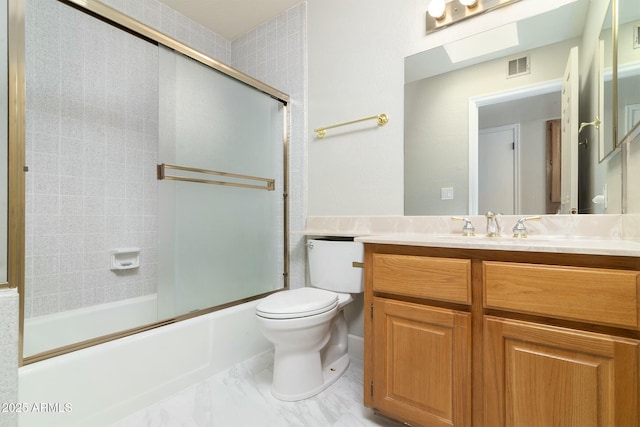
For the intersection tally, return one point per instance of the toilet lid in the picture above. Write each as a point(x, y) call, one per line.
point(295, 303)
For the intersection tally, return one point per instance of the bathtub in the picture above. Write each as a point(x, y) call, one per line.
point(56, 330)
point(97, 386)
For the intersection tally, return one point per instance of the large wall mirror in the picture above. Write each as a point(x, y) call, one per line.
point(511, 79)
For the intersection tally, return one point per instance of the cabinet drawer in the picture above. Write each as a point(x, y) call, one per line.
point(443, 279)
point(600, 296)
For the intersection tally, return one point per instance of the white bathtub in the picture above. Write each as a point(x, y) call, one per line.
point(56, 330)
point(101, 384)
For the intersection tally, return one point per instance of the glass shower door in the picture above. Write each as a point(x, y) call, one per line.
point(218, 243)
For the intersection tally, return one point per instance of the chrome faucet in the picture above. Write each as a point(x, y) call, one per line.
point(519, 230)
point(493, 225)
point(467, 229)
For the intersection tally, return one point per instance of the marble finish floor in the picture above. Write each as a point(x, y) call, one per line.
point(241, 397)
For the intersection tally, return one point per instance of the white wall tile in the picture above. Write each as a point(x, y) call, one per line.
point(85, 148)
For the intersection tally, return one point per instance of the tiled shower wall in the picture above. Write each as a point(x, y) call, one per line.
point(92, 143)
point(86, 180)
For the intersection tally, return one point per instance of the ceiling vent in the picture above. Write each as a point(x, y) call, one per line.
point(518, 67)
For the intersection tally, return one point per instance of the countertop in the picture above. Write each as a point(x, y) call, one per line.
point(611, 234)
point(537, 243)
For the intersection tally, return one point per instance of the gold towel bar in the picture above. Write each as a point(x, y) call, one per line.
point(382, 120)
point(269, 186)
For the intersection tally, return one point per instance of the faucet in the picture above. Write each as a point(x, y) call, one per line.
point(467, 228)
point(493, 225)
point(519, 230)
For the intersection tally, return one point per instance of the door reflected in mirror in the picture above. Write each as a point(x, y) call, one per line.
point(512, 147)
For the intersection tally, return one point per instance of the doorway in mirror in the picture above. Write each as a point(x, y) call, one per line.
point(498, 171)
point(529, 108)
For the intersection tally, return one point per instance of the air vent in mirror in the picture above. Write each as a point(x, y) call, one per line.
point(518, 67)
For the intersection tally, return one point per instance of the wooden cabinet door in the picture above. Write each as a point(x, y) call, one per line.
point(537, 375)
point(421, 363)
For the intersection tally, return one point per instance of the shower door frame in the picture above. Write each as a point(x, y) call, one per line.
point(17, 168)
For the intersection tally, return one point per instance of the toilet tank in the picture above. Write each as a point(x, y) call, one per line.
point(331, 265)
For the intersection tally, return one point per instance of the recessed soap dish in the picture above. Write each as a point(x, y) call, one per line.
point(125, 258)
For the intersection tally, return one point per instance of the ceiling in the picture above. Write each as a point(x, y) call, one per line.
point(230, 18)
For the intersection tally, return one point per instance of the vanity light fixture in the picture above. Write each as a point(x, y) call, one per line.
point(469, 3)
point(437, 9)
point(441, 13)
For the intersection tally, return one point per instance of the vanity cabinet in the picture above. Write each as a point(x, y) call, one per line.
point(541, 375)
point(494, 338)
point(423, 363)
point(421, 353)
point(537, 375)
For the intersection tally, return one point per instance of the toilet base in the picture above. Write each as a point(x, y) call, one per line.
point(311, 353)
point(330, 375)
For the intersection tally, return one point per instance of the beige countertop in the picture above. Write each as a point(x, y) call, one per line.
point(617, 235)
point(553, 244)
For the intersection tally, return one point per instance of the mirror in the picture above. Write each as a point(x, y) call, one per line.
point(628, 53)
point(605, 61)
point(439, 91)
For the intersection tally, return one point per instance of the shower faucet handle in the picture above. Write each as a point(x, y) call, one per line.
point(467, 229)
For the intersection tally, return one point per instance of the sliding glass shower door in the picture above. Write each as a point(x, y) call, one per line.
point(221, 210)
point(154, 182)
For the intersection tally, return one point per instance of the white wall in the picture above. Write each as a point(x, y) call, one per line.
point(356, 69)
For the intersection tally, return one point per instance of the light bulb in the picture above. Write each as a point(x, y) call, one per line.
point(468, 3)
point(436, 9)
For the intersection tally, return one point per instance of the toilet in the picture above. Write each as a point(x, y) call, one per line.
point(307, 325)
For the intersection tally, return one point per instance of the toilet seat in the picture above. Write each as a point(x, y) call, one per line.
point(302, 302)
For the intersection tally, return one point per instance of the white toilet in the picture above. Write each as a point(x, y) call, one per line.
point(307, 325)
